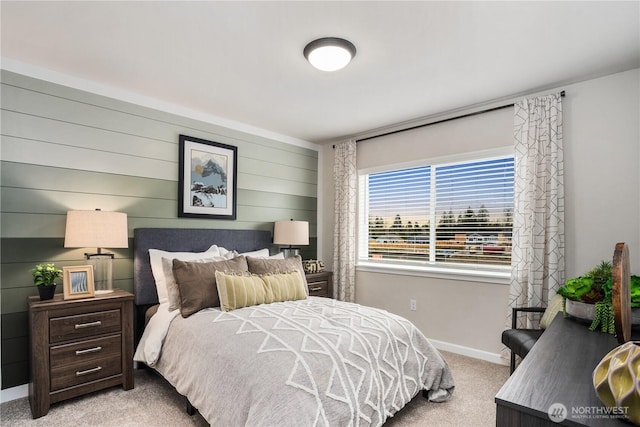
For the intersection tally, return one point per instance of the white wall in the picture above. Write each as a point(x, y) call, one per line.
point(602, 207)
point(602, 170)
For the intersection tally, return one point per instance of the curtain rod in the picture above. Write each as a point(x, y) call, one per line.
point(488, 110)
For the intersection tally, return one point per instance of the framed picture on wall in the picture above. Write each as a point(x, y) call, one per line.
point(207, 183)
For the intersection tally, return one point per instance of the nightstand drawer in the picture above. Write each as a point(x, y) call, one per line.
point(319, 288)
point(320, 284)
point(83, 325)
point(85, 351)
point(79, 373)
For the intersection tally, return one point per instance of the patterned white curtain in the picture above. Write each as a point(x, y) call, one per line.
point(344, 238)
point(537, 257)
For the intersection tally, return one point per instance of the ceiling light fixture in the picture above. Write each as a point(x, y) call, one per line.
point(329, 53)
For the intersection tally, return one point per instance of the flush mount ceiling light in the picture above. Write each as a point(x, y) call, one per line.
point(329, 53)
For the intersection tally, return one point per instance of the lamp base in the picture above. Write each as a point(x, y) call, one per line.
point(290, 252)
point(102, 272)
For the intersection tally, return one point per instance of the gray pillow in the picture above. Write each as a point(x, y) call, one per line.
point(270, 265)
point(173, 293)
point(197, 282)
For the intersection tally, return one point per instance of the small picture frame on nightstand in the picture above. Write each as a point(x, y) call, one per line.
point(77, 282)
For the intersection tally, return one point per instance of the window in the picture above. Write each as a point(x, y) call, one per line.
point(464, 208)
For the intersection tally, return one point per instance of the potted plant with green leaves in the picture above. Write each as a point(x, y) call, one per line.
point(44, 277)
point(589, 297)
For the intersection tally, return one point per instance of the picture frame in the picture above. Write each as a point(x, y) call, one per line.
point(77, 282)
point(207, 181)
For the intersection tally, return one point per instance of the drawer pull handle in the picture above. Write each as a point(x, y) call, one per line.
point(89, 371)
point(88, 350)
point(88, 325)
point(318, 288)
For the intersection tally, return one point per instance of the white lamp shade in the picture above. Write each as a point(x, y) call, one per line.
point(96, 229)
point(291, 233)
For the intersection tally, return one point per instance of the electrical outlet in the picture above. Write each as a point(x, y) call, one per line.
point(412, 305)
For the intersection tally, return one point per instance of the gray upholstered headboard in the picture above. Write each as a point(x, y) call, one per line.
point(184, 240)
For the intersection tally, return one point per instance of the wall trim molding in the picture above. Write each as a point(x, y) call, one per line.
point(145, 101)
point(14, 393)
point(470, 352)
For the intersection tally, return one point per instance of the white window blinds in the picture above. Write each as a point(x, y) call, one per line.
point(456, 213)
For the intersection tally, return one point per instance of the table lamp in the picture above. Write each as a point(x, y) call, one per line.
point(291, 233)
point(99, 229)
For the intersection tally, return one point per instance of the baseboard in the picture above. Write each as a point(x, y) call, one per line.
point(470, 352)
point(13, 393)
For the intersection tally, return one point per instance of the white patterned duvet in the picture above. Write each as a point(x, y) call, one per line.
point(314, 362)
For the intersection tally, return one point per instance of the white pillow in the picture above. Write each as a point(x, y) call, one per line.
point(225, 252)
point(263, 253)
point(156, 255)
point(173, 292)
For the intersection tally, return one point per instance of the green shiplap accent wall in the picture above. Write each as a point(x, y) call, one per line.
point(65, 149)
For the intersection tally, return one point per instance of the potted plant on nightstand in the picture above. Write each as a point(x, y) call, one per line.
point(44, 277)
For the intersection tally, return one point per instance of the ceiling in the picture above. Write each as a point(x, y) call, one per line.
point(242, 61)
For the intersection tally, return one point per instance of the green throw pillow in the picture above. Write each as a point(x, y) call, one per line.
point(555, 305)
point(285, 287)
point(238, 291)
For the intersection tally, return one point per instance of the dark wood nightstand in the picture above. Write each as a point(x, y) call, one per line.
point(320, 284)
point(79, 346)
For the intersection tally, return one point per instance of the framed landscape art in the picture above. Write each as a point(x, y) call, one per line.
point(207, 184)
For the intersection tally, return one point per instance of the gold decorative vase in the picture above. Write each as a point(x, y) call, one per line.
point(617, 380)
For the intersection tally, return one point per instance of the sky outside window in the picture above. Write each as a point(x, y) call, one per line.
point(484, 184)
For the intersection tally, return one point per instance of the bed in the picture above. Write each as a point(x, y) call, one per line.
point(299, 361)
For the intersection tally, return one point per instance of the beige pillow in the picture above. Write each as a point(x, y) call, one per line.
point(266, 266)
point(555, 305)
point(237, 291)
point(197, 282)
point(285, 287)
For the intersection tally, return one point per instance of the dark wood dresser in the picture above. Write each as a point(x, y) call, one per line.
point(320, 284)
point(79, 346)
point(556, 377)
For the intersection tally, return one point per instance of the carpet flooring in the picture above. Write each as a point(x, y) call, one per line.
point(153, 402)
